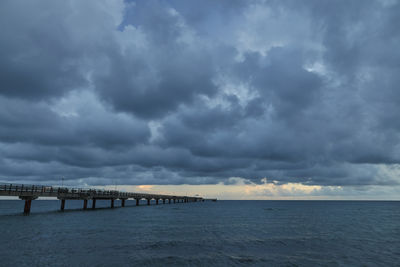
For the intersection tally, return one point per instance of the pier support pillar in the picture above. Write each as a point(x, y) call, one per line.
point(28, 203)
point(62, 204)
point(112, 203)
point(137, 202)
point(163, 201)
point(148, 201)
point(27, 208)
point(123, 202)
point(85, 204)
point(174, 200)
point(169, 201)
point(93, 203)
point(157, 201)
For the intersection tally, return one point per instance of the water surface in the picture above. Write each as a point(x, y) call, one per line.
point(225, 233)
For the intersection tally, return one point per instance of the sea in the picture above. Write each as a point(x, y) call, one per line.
point(222, 233)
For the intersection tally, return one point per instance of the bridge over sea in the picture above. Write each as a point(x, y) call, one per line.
point(32, 192)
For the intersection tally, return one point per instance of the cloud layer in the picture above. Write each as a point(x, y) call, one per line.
point(185, 92)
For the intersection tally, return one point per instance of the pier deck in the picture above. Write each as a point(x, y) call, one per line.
point(31, 192)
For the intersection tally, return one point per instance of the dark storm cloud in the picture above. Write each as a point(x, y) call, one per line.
point(35, 60)
point(172, 67)
point(172, 92)
point(36, 124)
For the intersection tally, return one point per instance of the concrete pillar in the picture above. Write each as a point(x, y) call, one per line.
point(169, 201)
point(137, 202)
point(93, 203)
point(62, 204)
point(27, 208)
point(112, 203)
point(174, 200)
point(148, 201)
point(85, 204)
point(163, 201)
point(123, 202)
point(156, 201)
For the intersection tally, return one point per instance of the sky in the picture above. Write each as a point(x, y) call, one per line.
point(257, 99)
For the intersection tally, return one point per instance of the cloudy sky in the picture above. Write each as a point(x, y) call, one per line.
point(235, 99)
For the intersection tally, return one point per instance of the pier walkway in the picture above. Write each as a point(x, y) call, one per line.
point(31, 192)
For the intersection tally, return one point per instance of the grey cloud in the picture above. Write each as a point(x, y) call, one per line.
point(38, 124)
point(171, 70)
point(174, 92)
point(36, 61)
point(281, 80)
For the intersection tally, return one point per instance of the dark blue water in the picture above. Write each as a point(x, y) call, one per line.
point(223, 233)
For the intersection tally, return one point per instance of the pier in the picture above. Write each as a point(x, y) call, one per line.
point(32, 192)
